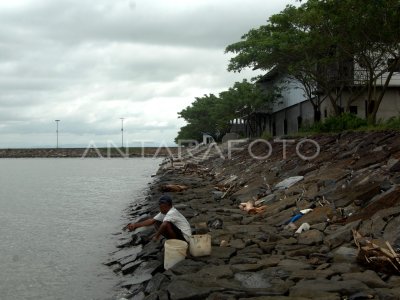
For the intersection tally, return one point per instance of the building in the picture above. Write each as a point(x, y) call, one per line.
point(294, 110)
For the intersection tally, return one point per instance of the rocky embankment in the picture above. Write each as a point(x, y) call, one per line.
point(86, 152)
point(348, 197)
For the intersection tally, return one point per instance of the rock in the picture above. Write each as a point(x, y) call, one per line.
point(222, 252)
point(270, 261)
point(221, 296)
point(267, 200)
point(320, 226)
point(136, 279)
point(215, 223)
point(311, 237)
point(310, 274)
point(262, 280)
point(276, 298)
point(237, 244)
point(139, 296)
point(392, 232)
point(318, 215)
point(184, 290)
point(151, 249)
point(341, 268)
point(243, 260)
point(345, 254)
point(292, 265)
point(288, 182)
point(155, 283)
point(129, 268)
point(128, 260)
point(246, 268)
point(149, 267)
point(223, 271)
point(187, 266)
point(341, 235)
point(369, 277)
point(319, 287)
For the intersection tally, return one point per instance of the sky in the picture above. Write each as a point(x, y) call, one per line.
point(90, 63)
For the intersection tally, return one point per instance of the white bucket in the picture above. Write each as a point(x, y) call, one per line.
point(200, 245)
point(175, 251)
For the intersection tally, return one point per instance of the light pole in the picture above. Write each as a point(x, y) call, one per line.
point(57, 131)
point(122, 131)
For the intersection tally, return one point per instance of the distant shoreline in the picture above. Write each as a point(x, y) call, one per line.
point(87, 152)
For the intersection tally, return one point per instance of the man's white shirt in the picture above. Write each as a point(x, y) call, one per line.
point(176, 218)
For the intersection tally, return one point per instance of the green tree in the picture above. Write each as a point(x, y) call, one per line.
point(319, 43)
point(213, 115)
point(199, 118)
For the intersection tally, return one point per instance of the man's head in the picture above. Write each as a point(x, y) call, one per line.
point(165, 203)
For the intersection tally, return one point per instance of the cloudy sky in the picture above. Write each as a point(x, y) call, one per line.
point(91, 62)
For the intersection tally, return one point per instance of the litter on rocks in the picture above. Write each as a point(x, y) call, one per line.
point(288, 182)
point(303, 227)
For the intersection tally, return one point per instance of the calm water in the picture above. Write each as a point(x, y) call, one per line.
point(57, 217)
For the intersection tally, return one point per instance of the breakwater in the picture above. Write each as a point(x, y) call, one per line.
point(88, 152)
point(282, 227)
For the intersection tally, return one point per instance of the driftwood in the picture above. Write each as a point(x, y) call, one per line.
point(377, 255)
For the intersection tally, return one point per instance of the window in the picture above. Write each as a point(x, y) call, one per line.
point(285, 127)
point(354, 110)
point(299, 122)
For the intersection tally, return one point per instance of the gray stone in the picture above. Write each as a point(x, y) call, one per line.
point(222, 252)
point(369, 277)
point(151, 249)
point(310, 274)
point(223, 271)
point(246, 268)
point(319, 226)
point(341, 268)
point(293, 265)
point(267, 200)
point(187, 266)
point(149, 267)
point(315, 288)
point(136, 279)
point(129, 268)
point(345, 254)
point(263, 281)
point(155, 283)
point(241, 260)
point(184, 290)
point(237, 243)
point(139, 296)
point(387, 294)
point(341, 235)
point(311, 237)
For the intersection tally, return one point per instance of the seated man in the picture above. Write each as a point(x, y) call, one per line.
point(169, 222)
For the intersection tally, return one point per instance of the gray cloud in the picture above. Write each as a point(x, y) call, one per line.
point(89, 63)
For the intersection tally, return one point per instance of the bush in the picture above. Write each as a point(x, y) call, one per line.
point(392, 123)
point(340, 123)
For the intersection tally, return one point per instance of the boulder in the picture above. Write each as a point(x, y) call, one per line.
point(341, 235)
point(311, 237)
point(319, 287)
point(369, 277)
point(184, 290)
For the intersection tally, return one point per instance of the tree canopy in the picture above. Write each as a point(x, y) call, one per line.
point(213, 114)
point(321, 42)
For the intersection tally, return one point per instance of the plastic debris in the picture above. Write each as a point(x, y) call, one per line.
point(295, 218)
point(306, 211)
point(288, 182)
point(303, 227)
